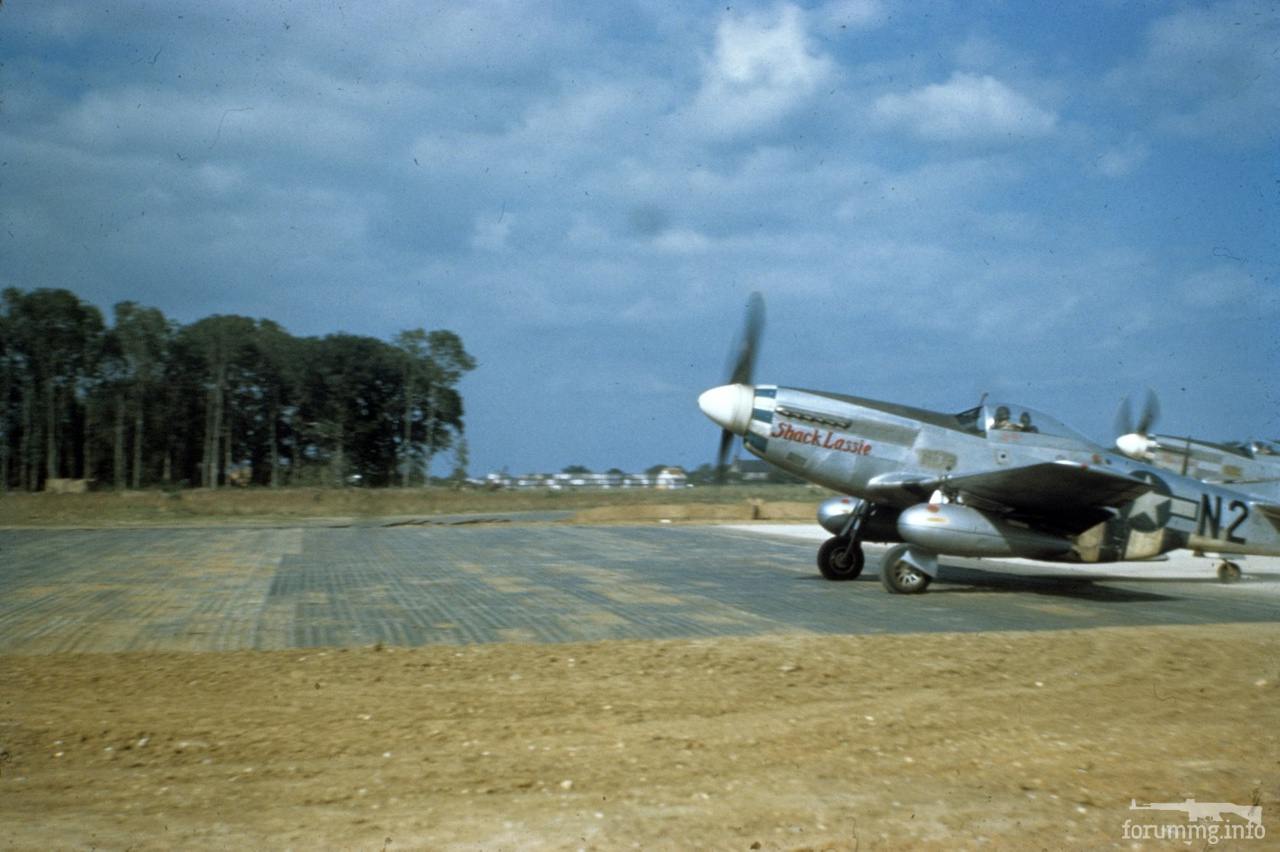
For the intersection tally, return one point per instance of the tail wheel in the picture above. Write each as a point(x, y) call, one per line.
point(900, 576)
point(1228, 572)
point(837, 560)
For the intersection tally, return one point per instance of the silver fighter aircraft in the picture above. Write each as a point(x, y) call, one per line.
point(995, 480)
point(1244, 463)
point(1252, 465)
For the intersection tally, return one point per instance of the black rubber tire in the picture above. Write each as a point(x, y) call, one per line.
point(899, 576)
point(836, 563)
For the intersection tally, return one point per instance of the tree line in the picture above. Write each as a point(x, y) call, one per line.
point(147, 401)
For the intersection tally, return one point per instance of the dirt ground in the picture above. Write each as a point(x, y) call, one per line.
point(1012, 740)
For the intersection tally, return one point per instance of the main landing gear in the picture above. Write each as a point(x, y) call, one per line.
point(905, 570)
point(1228, 572)
point(841, 558)
point(898, 575)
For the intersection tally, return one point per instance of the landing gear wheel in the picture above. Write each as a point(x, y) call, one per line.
point(838, 561)
point(900, 576)
point(1228, 572)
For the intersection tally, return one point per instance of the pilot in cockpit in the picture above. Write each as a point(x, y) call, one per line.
point(1002, 420)
point(1025, 424)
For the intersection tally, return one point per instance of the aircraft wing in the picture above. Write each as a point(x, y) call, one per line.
point(1051, 486)
point(1271, 512)
point(1065, 495)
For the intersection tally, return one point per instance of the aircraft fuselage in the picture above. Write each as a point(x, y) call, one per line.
point(887, 453)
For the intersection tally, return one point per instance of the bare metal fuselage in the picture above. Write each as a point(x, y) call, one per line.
point(886, 453)
point(1253, 466)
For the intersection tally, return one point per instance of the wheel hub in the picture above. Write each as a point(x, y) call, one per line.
point(907, 576)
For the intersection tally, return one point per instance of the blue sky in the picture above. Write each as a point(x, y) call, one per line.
point(1059, 204)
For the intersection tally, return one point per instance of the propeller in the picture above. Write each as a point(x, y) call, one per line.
point(742, 367)
point(1134, 439)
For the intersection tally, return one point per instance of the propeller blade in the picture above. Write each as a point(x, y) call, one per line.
point(1124, 418)
point(743, 366)
point(1150, 413)
point(722, 458)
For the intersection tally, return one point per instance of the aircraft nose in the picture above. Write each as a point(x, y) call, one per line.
point(729, 406)
point(1133, 445)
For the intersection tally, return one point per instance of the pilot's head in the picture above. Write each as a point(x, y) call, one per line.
point(1025, 419)
point(1002, 414)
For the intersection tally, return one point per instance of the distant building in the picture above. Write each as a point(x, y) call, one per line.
point(667, 477)
point(671, 477)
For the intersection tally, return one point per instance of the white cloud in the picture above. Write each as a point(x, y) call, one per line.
point(1123, 159)
point(168, 121)
point(850, 14)
point(564, 133)
point(761, 70)
point(981, 51)
point(1226, 287)
point(966, 107)
point(65, 21)
point(943, 188)
point(681, 241)
point(219, 179)
point(1209, 72)
point(614, 183)
point(491, 232)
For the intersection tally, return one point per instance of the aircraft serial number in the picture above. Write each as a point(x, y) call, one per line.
point(1211, 519)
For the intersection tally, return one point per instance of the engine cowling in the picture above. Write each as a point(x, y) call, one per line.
point(964, 531)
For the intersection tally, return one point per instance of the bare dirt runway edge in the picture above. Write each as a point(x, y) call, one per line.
point(1014, 740)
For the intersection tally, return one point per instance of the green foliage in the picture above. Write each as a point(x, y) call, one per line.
point(54, 341)
point(226, 399)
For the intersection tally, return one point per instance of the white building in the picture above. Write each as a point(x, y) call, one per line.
point(666, 478)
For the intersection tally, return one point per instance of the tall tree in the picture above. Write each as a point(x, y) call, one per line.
point(144, 337)
point(147, 398)
point(350, 407)
point(108, 398)
point(7, 407)
point(279, 368)
point(442, 419)
point(54, 333)
point(220, 342)
point(461, 459)
point(415, 381)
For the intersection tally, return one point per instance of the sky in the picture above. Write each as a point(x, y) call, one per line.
point(1058, 204)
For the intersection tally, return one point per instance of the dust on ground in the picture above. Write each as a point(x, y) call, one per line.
point(1004, 740)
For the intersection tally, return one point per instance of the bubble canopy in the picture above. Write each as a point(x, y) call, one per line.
point(1012, 417)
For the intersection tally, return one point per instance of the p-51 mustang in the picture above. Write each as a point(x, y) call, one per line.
point(1254, 465)
point(995, 480)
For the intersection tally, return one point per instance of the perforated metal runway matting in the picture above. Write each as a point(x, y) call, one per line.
point(224, 588)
